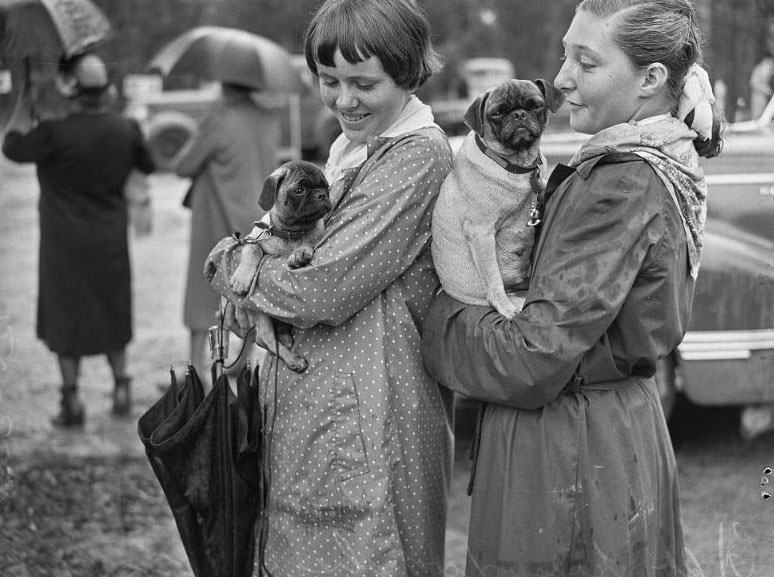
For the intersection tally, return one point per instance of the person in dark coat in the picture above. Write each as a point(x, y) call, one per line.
point(84, 290)
point(575, 472)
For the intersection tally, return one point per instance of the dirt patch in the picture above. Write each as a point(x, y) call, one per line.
point(86, 503)
point(69, 516)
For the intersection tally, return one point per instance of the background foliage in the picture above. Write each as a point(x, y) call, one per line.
point(528, 32)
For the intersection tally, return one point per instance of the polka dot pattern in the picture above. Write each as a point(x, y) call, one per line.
point(360, 452)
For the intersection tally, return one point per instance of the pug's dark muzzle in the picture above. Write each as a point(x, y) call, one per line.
point(312, 207)
point(518, 128)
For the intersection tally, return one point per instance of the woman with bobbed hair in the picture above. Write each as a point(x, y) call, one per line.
point(575, 471)
point(359, 456)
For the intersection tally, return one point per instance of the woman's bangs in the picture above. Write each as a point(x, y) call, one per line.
point(349, 37)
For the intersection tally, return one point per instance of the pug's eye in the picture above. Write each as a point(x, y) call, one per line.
point(497, 113)
point(533, 104)
point(299, 190)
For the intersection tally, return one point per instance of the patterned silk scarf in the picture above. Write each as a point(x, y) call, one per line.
point(666, 143)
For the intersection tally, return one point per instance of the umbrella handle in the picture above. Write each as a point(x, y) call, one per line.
point(218, 343)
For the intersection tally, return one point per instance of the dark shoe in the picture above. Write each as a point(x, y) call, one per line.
point(72, 412)
point(122, 397)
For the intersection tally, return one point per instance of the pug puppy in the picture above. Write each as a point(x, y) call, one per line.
point(297, 197)
point(484, 218)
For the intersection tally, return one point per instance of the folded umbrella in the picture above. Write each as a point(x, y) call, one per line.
point(230, 55)
point(206, 454)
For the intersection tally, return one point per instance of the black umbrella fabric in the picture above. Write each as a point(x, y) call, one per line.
point(206, 454)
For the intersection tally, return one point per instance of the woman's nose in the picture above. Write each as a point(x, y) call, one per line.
point(563, 80)
point(346, 99)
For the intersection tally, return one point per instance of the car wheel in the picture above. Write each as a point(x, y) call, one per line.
point(665, 381)
point(168, 133)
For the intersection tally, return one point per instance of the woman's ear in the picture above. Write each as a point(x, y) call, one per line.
point(654, 79)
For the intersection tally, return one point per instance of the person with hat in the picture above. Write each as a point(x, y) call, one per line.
point(233, 151)
point(83, 163)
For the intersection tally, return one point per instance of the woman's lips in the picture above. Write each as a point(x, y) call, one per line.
point(351, 118)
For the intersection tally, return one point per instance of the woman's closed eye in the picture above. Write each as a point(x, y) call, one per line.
point(364, 86)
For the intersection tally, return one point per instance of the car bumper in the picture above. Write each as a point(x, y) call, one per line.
point(728, 367)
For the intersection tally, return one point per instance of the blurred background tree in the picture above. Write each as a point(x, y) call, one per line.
point(526, 32)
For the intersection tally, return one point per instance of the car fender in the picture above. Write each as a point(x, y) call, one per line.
point(735, 288)
point(727, 356)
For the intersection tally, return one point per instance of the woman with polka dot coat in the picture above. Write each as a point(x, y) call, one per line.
point(359, 444)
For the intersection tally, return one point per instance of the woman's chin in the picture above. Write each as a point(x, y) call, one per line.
point(579, 125)
point(354, 135)
point(579, 122)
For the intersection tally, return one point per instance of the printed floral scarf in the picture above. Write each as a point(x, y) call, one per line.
point(667, 144)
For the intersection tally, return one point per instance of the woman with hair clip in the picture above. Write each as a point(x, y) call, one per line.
point(575, 471)
point(359, 444)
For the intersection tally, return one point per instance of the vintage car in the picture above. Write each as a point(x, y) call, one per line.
point(727, 356)
point(170, 117)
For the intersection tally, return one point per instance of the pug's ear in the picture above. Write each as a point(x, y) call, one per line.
point(551, 94)
point(476, 113)
point(270, 187)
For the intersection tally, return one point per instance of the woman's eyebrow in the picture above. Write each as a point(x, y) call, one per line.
point(584, 48)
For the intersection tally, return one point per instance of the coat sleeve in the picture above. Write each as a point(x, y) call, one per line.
point(143, 160)
point(202, 147)
point(592, 250)
point(32, 146)
point(381, 229)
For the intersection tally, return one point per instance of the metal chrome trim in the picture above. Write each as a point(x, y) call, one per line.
point(740, 178)
point(724, 345)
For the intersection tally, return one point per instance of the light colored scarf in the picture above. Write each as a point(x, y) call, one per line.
point(345, 154)
point(666, 143)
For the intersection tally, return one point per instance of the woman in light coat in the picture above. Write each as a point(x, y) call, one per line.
point(233, 151)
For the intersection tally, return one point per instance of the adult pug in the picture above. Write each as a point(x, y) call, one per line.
point(297, 198)
point(488, 205)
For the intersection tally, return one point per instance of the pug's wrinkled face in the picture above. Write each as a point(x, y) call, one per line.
point(297, 193)
point(511, 117)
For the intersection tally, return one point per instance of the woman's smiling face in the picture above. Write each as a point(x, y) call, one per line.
point(600, 82)
point(363, 96)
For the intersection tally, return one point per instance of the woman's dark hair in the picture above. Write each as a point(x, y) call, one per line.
point(662, 31)
point(397, 32)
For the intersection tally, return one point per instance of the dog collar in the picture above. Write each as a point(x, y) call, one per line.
point(268, 230)
point(507, 165)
